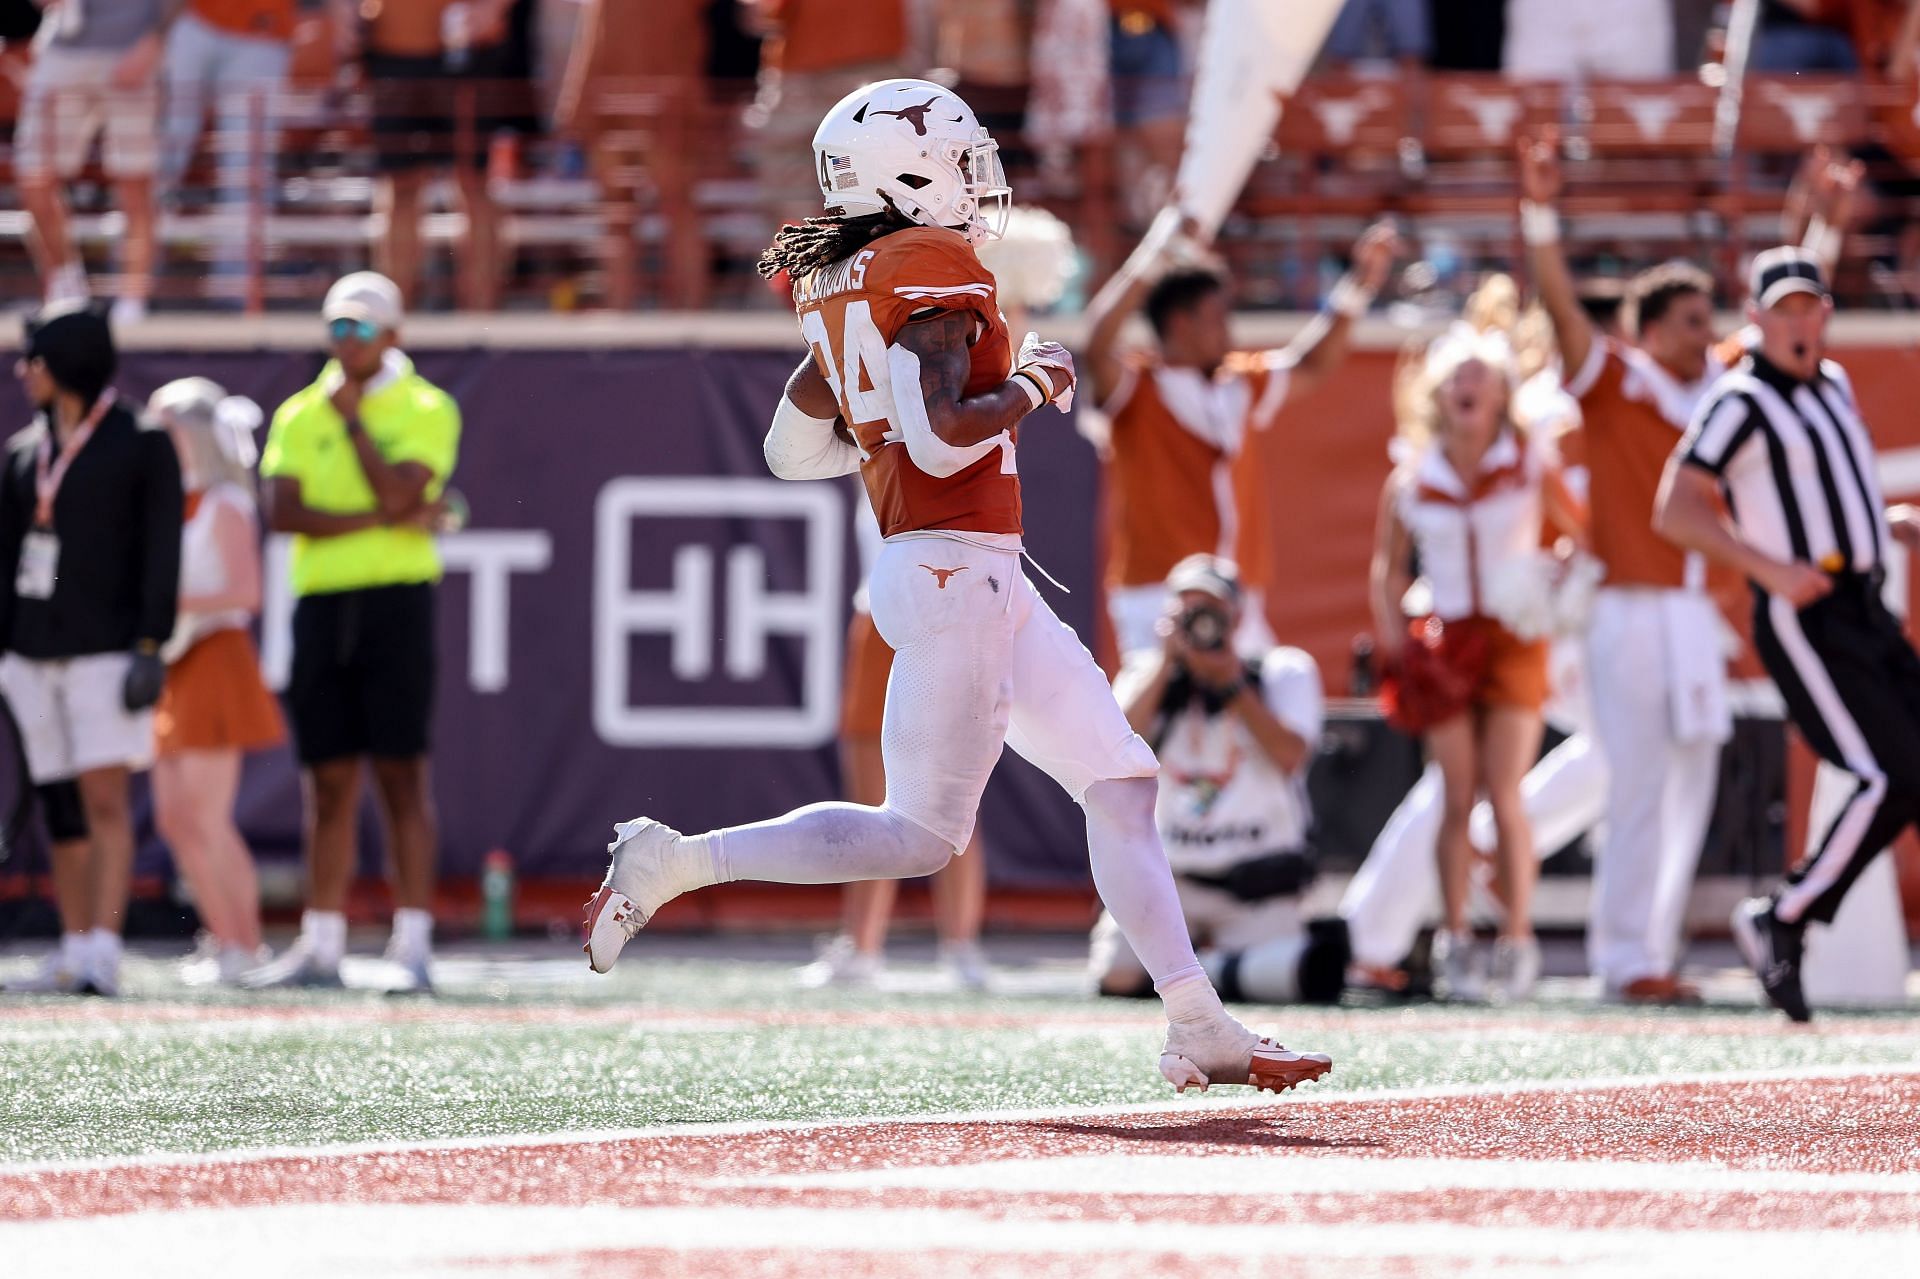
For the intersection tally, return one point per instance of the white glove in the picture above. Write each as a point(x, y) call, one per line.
point(1035, 354)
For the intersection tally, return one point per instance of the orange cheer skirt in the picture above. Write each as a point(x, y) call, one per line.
point(1451, 667)
point(215, 700)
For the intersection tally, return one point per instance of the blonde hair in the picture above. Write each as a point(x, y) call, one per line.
point(1494, 307)
point(217, 431)
point(1423, 370)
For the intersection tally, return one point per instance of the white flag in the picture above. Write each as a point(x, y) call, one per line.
point(1253, 53)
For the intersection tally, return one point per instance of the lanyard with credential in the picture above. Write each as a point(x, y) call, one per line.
point(48, 473)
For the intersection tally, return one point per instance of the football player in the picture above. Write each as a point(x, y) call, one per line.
point(912, 380)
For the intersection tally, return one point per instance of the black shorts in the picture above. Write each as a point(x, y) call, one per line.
point(428, 117)
point(364, 665)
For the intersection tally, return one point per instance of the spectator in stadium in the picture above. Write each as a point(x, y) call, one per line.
point(234, 55)
point(1382, 31)
point(856, 956)
point(1622, 40)
point(96, 75)
point(1804, 35)
point(664, 43)
point(90, 523)
point(814, 53)
point(1150, 94)
point(1172, 417)
point(442, 81)
point(354, 467)
point(215, 706)
point(1234, 736)
point(1655, 653)
point(1467, 502)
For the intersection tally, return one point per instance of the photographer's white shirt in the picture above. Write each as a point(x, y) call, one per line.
point(1221, 799)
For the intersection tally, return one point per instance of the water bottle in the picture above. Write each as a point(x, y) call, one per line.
point(1361, 682)
point(496, 896)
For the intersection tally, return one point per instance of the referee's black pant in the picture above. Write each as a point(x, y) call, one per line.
point(1852, 687)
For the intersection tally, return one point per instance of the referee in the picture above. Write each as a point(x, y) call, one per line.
point(1781, 439)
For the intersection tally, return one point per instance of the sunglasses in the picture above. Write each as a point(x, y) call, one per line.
point(359, 330)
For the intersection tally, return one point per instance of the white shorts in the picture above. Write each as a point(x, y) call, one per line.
point(70, 100)
point(980, 661)
point(71, 718)
point(1216, 919)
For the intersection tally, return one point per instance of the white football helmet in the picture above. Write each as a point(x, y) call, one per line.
point(916, 146)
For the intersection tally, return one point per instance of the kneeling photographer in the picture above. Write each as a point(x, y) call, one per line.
point(1234, 735)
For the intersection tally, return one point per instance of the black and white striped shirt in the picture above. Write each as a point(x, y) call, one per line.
point(1796, 464)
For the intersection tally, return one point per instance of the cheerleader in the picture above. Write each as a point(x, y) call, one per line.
point(1469, 675)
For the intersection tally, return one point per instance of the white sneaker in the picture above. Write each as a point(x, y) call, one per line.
point(416, 977)
point(966, 964)
point(1516, 968)
point(127, 312)
point(840, 965)
point(1456, 967)
point(235, 962)
point(66, 285)
point(102, 975)
point(297, 968)
point(643, 876)
point(53, 977)
point(201, 967)
point(1222, 1051)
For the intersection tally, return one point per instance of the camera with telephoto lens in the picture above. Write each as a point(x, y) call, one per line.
point(1205, 628)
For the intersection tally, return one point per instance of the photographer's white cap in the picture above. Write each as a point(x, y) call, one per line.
point(1209, 574)
point(364, 295)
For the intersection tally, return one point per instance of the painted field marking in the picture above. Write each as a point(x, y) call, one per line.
point(1239, 1106)
point(302, 1240)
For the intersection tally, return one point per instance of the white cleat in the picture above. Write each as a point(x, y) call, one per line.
point(840, 965)
point(637, 885)
point(1222, 1051)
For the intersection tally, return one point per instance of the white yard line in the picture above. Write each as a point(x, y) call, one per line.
point(298, 1241)
point(1189, 1106)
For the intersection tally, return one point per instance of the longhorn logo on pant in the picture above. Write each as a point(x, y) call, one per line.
point(941, 575)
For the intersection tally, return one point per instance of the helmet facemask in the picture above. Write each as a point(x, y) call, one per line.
point(987, 200)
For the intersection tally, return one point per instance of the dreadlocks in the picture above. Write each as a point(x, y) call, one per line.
point(820, 242)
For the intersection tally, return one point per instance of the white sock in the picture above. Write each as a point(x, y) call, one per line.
point(104, 947)
point(325, 932)
point(822, 844)
point(74, 949)
point(1130, 871)
point(412, 931)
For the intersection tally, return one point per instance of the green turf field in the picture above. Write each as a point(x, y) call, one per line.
point(532, 1046)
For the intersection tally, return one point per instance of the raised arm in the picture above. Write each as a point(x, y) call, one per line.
point(946, 430)
point(1540, 183)
point(1118, 300)
point(1319, 349)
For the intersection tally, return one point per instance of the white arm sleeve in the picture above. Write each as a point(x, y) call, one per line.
point(802, 447)
point(929, 452)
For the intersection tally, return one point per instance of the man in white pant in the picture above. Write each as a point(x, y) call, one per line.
point(1654, 652)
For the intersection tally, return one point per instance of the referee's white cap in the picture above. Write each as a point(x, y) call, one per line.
point(1786, 270)
point(364, 295)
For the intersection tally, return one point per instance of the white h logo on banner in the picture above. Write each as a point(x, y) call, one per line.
point(685, 613)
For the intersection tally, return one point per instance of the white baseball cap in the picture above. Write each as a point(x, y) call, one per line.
point(1784, 271)
point(364, 295)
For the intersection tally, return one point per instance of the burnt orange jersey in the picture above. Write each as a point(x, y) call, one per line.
point(850, 314)
point(1176, 432)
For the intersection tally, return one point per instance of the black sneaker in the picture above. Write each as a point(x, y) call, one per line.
point(1772, 949)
